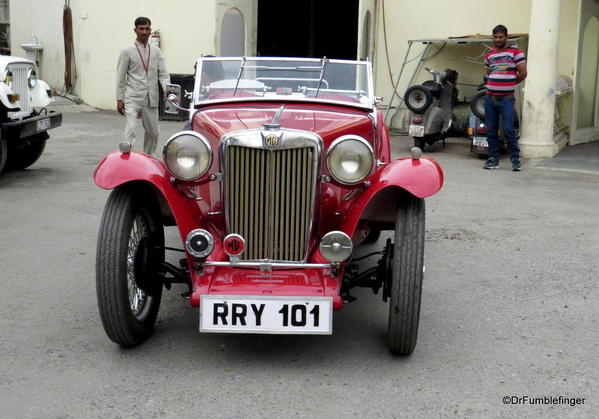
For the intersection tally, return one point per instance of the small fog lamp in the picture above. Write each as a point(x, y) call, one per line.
point(336, 246)
point(234, 245)
point(199, 243)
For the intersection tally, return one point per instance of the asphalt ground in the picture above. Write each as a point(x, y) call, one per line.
point(510, 307)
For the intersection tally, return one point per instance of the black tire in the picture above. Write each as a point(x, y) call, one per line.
point(477, 104)
point(373, 236)
point(407, 274)
point(418, 98)
point(3, 152)
point(420, 142)
point(430, 139)
point(25, 152)
point(128, 312)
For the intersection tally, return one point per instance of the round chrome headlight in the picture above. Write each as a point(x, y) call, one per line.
point(187, 155)
point(350, 159)
point(31, 78)
point(8, 78)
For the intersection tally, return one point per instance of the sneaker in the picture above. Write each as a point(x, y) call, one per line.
point(516, 165)
point(491, 164)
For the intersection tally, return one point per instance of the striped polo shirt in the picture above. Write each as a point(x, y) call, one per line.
point(502, 65)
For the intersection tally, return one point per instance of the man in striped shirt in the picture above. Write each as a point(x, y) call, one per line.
point(506, 67)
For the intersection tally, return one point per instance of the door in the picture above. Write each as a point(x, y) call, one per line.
point(585, 114)
point(236, 23)
point(366, 29)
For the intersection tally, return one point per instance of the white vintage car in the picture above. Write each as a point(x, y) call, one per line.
point(24, 120)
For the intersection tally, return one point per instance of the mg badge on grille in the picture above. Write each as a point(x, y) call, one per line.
point(271, 140)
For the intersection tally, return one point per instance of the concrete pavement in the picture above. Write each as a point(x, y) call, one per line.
point(510, 307)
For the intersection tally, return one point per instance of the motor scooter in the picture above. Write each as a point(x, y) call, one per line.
point(477, 126)
point(431, 105)
point(477, 132)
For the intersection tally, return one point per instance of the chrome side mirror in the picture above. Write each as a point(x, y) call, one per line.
point(173, 99)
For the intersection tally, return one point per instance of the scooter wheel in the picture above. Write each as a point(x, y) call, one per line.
point(420, 143)
point(418, 98)
point(477, 104)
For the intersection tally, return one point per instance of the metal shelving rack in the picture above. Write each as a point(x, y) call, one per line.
point(469, 39)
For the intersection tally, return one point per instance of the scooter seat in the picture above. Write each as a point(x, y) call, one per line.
point(433, 87)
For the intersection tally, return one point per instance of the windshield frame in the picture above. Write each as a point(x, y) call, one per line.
point(368, 104)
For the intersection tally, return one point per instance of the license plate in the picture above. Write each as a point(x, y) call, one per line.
point(480, 141)
point(416, 131)
point(277, 315)
point(43, 124)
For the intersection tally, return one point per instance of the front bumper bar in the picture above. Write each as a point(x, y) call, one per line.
point(31, 126)
point(270, 265)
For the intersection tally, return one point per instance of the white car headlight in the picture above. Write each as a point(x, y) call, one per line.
point(187, 155)
point(31, 78)
point(8, 78)
point(350, 159)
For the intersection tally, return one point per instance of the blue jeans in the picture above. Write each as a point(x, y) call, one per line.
point(504, 110)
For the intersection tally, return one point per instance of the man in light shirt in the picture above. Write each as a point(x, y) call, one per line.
point(139, 70)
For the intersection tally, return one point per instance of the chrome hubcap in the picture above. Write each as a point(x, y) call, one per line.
point(417, 99)
point(481, 105)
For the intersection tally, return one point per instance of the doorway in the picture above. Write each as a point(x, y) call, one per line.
point(585, 118)
point(308, 28)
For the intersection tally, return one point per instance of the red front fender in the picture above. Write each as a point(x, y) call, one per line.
point(421, 178)
point(378, 203)
point(118, 169)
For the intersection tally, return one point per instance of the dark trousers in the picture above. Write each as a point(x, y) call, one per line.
point(501, 109)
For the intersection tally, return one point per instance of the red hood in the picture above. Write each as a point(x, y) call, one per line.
point(327, 121)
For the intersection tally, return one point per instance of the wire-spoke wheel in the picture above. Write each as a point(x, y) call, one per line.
point(406, 276)
point(137, 296)
point(128, 304)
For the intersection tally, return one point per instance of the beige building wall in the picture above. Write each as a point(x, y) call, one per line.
point(101, 29)
point(45, 23)
point(569, 10)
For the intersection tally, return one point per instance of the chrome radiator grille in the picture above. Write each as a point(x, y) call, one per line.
point(19, 85)
point(269, 200)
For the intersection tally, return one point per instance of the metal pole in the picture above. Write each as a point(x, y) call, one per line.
point(398, 78)
point(422, 57)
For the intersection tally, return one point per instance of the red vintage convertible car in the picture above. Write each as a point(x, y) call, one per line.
point(284, 172)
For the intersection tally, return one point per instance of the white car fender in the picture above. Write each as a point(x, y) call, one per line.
point(4, 92)
point(39, 95)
